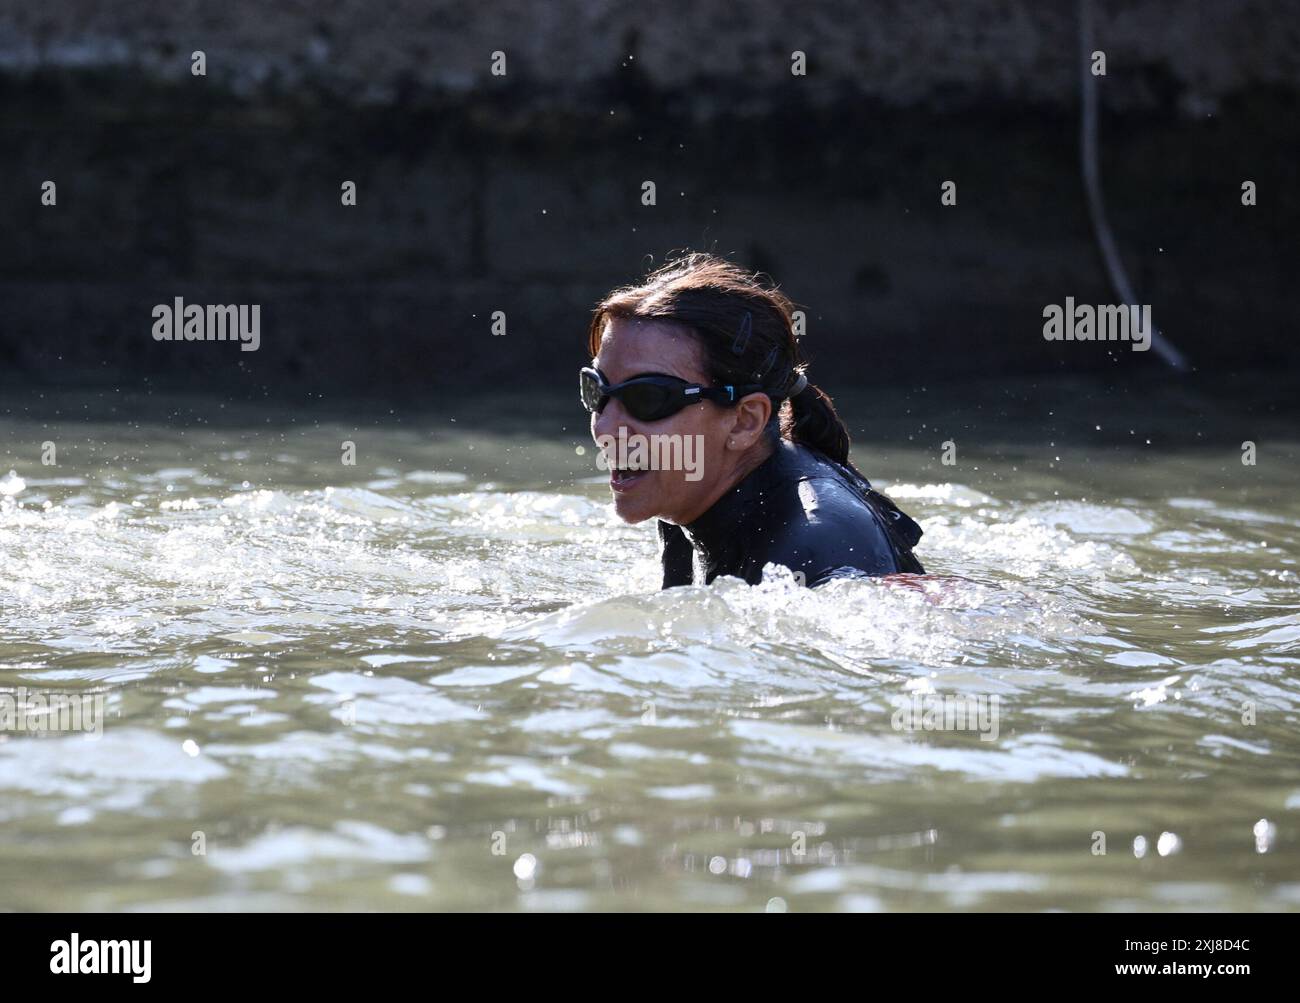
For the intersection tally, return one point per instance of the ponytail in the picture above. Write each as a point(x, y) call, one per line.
point(814, 423)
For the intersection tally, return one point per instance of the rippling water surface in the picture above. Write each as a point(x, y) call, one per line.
point(443, 677)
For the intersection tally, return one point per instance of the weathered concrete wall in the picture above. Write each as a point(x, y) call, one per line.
point(901, 51)
point(522, 194)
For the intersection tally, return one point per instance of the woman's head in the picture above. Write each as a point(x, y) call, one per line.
point(705, 321)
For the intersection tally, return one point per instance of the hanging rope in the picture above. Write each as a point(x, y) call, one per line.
point(1092, 186)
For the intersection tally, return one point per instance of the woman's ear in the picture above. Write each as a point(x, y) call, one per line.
point(751, 416)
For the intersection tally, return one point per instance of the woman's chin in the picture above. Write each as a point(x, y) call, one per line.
point(631, 511)
point(634, 508)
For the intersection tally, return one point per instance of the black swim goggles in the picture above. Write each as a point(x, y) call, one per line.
point(652, 397)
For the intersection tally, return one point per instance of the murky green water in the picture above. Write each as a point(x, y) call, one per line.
point(443, 677)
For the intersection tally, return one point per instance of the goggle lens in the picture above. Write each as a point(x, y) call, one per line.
point(590, 391)
point(644, 401)
point(650, 401)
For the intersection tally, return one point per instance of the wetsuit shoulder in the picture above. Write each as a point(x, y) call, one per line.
point(799, 509)
point(826, 530)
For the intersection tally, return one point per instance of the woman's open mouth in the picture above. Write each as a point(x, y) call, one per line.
point(625, 479)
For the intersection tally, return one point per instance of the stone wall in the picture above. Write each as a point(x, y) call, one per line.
point(523, 194)
point(901, 51)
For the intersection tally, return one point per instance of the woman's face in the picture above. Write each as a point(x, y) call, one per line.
point(713, 443)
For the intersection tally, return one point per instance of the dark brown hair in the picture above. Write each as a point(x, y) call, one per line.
point(742, 323)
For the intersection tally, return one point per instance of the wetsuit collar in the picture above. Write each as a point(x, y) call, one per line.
point(722, 523)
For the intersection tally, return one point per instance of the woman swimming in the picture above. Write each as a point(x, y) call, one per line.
point(699, 366)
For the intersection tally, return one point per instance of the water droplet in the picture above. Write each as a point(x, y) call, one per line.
point(1265, 832)
point(526, 867)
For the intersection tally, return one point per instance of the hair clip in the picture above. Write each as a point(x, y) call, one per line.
point(742, 336)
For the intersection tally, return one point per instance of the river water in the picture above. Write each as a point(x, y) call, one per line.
point(442, 678)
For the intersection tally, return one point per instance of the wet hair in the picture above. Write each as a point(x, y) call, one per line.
point(743, 325)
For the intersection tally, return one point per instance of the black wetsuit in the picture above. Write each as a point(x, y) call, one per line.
point(798, 509)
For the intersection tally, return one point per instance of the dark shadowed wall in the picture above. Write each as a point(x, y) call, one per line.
point(522, 193)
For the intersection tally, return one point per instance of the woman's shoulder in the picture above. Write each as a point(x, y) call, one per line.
point(825, 522)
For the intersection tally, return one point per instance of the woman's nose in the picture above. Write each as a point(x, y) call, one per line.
point(609, 420)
